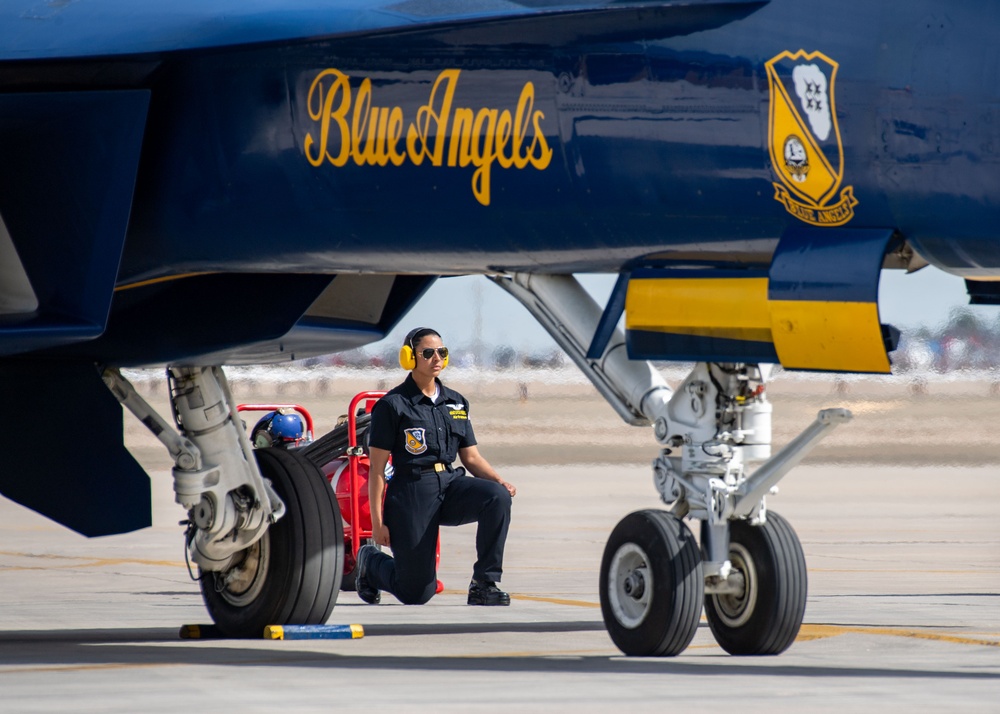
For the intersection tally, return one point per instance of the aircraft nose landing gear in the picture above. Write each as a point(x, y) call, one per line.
point(748, 568)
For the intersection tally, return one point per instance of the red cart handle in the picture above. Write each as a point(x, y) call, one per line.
point(352, 419)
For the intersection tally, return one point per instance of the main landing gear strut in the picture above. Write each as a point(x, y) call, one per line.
point(747, 568)
point(263, 525)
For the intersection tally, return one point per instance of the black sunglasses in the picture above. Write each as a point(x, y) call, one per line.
point(429, 352)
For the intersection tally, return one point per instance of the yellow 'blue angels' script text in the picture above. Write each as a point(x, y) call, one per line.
point(352, 128)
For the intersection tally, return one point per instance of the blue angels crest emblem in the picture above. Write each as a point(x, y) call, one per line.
point(807, 152)
point(416, 441)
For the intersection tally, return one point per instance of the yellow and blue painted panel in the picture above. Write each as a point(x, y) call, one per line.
point(683, 315)
point(815, 308)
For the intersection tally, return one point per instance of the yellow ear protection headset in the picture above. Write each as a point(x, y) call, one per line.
point(407, 355)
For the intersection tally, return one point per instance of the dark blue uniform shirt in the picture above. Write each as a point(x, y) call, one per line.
point(417, 431)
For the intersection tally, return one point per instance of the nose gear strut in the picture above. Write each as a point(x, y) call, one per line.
point(216, 477)
point(715, 423)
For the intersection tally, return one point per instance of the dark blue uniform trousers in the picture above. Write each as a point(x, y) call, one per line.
point(414, 508)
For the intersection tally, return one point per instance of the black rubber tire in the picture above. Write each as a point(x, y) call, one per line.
point(765, 619)
point(662, 620)
point(292, 574)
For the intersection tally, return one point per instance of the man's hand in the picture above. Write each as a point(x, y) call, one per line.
point(510, 488)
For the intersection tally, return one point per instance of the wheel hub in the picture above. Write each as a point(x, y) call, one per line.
point(735, 609)
point(630, 585)
point(241, 584)
point(634, 585)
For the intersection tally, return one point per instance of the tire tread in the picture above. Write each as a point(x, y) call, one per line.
point(782, 590)
point(678, 584)
point(306, 553)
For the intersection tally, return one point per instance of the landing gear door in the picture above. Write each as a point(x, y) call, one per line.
point(814, 308)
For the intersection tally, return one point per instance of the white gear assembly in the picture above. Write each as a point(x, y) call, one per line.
point(262, 525)
point(715, 423)
point(216, 478)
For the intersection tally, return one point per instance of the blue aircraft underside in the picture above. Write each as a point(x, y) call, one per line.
point(161, 163)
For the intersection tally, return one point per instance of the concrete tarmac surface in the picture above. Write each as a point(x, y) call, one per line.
point(903, 613)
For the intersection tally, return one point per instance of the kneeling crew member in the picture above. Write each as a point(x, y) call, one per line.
point(422, 424)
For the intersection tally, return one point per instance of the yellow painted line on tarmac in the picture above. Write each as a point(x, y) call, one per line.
point(556, 600)
point(807, 632)
point(82, 561)
point(811, 632)
point(818, 632)
point(536, 598)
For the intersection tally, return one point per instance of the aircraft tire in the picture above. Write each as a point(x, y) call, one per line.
point(765, 618)
point(651, 585)
point(292, 575)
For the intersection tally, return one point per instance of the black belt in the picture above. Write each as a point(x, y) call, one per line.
point(418, 471)
point(432, 468)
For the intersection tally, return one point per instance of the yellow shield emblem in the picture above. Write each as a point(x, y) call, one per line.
point(416, 442)
point(804, 139)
